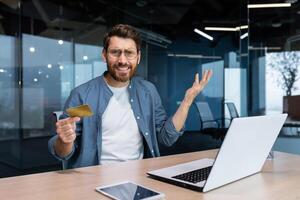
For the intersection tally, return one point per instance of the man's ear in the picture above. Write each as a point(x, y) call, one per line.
point(103, 55)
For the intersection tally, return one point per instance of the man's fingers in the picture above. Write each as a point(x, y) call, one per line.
point(68, 137)
point(206, 76)
point(196, 78)
point(69, 120)
point(65, 129)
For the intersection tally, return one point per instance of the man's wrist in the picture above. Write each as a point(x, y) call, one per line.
point(186, 103)
point(62, 148)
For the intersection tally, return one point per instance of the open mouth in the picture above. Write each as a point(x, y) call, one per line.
point(123, 70)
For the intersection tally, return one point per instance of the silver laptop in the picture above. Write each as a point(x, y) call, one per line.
point(244, 150)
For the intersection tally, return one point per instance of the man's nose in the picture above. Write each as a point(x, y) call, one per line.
point(123, 59)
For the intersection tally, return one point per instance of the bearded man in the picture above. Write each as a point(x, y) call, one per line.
point(129, 119)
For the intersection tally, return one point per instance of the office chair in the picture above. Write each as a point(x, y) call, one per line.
point(232, 110)
point(57, 115)
point(209, 125)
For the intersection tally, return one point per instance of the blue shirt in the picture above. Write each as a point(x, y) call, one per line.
point(153, 123)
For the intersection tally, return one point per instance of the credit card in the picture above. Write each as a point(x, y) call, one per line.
point(80, 111)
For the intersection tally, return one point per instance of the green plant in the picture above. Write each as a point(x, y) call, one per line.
point(287, 64)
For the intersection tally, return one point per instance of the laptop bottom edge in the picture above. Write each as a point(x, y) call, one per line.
point(184, 185)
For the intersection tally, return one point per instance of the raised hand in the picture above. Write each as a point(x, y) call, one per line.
point(197, 86)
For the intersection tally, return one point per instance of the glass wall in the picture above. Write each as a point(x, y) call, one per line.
point(274, 67)
point(49, 47)
point(274, 64)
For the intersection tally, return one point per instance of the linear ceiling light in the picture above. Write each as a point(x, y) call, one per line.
point(238, 28)
point(193, 56)
point(244, 27)
point(221, 29)
point(244, 35)
point(264, 48)
point(203, 34)
point(269, 5)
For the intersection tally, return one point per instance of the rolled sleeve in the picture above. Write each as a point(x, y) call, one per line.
point(170, 128)
point(51, 143)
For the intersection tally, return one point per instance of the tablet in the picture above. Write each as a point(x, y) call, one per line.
point(129, 191)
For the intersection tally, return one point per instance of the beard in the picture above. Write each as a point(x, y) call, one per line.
point(121, 73)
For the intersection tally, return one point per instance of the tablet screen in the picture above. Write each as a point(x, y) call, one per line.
point(128, 191)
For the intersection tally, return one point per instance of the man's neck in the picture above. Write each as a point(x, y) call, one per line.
point(114, 83)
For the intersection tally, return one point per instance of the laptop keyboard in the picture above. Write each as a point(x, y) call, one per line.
point(194, 176)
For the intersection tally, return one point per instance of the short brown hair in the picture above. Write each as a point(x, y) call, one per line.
point(123, 31)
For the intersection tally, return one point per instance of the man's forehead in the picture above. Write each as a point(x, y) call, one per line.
point(121, 43)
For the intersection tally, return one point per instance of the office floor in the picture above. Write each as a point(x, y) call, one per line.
point(190, 141)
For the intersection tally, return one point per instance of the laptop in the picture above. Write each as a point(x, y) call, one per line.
point(243, 152)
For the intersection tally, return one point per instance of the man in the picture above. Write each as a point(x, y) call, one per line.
point(129, 119)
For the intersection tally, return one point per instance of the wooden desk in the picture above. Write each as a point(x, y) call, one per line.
point(280, 180)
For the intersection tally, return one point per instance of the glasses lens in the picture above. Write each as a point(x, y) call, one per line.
point(130, 54)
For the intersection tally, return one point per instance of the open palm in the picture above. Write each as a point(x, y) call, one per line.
point(197, 86)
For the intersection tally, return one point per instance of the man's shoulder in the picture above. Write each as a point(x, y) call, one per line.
point(142, 83)
point(93, 83)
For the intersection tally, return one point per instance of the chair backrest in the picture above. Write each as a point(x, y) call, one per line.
point(57, 115)
point(207, 119)
point(232, 110)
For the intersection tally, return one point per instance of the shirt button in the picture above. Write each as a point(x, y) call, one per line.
point(152, 151)
point(147, 133)
point(131, 100)
point(137, 117)
point(129, 86)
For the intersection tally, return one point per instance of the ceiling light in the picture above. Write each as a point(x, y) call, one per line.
point(244, 35)
point(61, 42)
point(49, 66)
point(193, 56)
point(244, 27)
point(269, 5)
point(222, 28)
point(32, 49)
point(61, 67)
point(85, 58)
point(264, 48)
point(237, 28)
point(203, 34)
point(35, 80)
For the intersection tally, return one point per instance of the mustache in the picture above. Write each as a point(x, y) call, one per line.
point(121, 65)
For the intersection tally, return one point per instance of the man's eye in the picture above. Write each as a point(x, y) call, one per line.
point(129, 52)
point(115, 52)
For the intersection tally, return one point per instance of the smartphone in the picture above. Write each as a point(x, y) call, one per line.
point(129, 191)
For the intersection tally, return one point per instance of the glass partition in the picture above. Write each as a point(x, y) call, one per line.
point(49, 47)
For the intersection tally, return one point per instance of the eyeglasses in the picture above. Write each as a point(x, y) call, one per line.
point(116, 53)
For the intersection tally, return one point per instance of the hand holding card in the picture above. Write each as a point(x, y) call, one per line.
point(80, 111)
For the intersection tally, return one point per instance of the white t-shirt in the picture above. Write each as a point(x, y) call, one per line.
point(121, 139)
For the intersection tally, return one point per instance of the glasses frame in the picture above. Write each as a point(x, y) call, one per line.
point(118, 52)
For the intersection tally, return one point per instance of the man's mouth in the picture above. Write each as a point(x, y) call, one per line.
point(123, 69)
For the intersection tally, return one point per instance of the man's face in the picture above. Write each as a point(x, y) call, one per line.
point(122, 58)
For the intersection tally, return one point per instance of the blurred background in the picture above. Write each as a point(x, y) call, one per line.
point(48, 47)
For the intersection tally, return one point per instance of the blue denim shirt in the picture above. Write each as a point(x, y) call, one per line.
point(146, 104)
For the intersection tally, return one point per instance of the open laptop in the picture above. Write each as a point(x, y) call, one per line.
point(244, 150)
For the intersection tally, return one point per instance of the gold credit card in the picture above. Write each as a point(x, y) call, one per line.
point(80, 111)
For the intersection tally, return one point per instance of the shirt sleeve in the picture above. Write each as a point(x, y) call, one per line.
point(72, 101)
point(52, 150)
point(166, 131)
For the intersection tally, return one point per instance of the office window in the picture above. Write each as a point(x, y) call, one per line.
point(280, 69)
point(45, 64)
point(9, 87)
